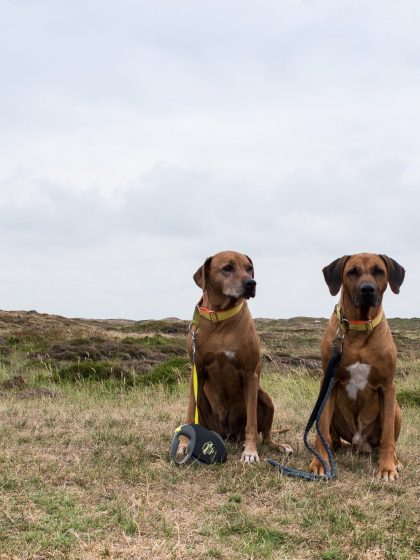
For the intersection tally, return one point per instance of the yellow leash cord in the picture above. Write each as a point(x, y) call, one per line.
point(195, 384)
point(194, 371)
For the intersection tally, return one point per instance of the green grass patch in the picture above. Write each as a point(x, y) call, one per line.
point(409, 397)
point(56, 522)
point(332, 554)
point(169, 373)
point(94, 371)
point(153, 341)
point(164, 326)
point(118, 514)
point(258, 540)
point(27, 341)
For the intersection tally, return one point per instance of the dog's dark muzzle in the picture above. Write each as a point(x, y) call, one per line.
point(367, 294)
point(249, 288)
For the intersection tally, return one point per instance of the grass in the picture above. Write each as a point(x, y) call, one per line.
point(86, 473)
point(91, 370)
point(169, 373)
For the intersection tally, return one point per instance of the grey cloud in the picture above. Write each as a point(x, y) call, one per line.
point(46, 217)
point(308, 212)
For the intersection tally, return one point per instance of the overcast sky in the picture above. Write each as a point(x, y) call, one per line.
point(140, 137)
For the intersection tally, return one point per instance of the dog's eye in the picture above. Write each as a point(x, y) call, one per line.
point(353, 272)
point(377, 271)
point(250, 269)
point(228, 268)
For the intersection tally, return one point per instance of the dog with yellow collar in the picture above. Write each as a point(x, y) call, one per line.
point(362, 408)
point(224, 348)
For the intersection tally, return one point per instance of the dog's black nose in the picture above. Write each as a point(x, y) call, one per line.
point(367, 290)
point(250, 284)
point(368, 294)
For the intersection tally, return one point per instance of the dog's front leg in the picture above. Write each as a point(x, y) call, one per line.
point(250, 454)
point(387, 465)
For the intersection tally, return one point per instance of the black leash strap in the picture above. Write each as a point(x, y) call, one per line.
point(324, 393)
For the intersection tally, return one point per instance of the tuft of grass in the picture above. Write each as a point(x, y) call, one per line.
point(163, 326)
point(214, 553)
point(91, 370)
point(409, 397)
point(119, 514)
point(258, 540)
point(54, 520)
point(153, 341)
point(332, 554)
point(169, 373)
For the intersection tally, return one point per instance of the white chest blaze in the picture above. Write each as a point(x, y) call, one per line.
point(359, 374)
point(229, 354)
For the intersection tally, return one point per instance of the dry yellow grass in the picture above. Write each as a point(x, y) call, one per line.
point(87, 475)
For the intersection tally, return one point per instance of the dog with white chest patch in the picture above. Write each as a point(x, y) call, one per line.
point(362, 408)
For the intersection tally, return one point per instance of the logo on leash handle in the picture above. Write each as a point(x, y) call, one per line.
point(208, 448)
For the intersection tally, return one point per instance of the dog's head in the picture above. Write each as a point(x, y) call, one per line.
point(364, 277)
point(227, 273)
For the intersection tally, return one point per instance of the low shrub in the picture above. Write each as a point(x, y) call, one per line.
point(168, 373)
point(95, 371)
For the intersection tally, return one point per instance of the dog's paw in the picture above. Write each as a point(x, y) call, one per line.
point(282, 447)
point(316, 467)
point(182, 447)
point(250, 457)
point(286, 448)
point(388, 471)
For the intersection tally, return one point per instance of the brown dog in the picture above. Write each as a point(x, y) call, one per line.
point(362, 408)
point(230, 400)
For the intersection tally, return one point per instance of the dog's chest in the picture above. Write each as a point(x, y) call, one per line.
point(359, 374)
point(224, 367)
point(223, 380)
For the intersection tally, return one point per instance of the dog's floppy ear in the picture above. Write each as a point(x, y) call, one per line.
point(200, 277)
point(250, 260)
point(333, 274)
point(396, 273)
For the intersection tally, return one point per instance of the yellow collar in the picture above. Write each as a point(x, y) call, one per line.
point(361, 326)
point(215, 316)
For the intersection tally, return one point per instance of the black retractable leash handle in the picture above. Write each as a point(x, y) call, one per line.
point(324, 393)
point(204, 446)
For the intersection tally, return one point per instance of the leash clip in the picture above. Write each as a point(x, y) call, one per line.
point(213, 317)
point(339, 339)
point(193, 326)
point(193, 337)
point(345, 323)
